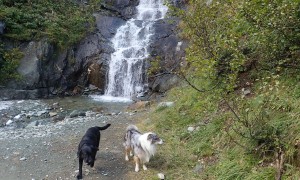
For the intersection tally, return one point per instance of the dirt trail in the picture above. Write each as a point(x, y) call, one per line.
point(53, 156)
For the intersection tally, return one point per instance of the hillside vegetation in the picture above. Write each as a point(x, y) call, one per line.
point(62, 22)
point(240, 91)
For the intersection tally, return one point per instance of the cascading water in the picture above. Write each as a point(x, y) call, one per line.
point(126, 76)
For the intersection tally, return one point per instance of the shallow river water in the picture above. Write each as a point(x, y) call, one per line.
point(20, 113)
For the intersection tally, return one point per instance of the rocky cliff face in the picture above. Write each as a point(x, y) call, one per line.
point(49, 71)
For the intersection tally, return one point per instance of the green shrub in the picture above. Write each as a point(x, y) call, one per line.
point(9, 63)
point(63, 22)
point(235, 45)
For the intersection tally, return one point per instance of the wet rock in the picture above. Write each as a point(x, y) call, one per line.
point(77, 113)
point(10, 93)
point(92, 87)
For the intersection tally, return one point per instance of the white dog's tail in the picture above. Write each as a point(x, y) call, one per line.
point(131, 127)
point(129, 131)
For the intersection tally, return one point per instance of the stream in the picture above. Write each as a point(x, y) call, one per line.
point(23, 113)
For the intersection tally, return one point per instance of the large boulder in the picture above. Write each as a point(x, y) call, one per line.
point(47, 70)
point(168, 49)
point(164, 83)
point(124, 8)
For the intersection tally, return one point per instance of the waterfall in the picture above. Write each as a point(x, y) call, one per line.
point(126, 75)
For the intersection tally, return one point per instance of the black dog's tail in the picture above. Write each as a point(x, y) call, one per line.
point(104, 127)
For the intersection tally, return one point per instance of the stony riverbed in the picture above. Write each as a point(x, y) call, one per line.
point(48, 150)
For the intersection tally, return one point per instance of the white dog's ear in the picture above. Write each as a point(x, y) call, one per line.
point(150, 137)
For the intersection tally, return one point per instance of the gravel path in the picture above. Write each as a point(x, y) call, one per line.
point(49, 151)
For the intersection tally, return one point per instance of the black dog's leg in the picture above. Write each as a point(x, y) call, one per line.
point(79, 176)
point(94, 158)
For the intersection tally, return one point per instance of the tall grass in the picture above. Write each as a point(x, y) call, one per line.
point(221, 145)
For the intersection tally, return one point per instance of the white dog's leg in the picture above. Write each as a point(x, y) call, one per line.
point(127, 150)
point(126, 157)
point(144, 167)
point(137, 168)
point(130, 154)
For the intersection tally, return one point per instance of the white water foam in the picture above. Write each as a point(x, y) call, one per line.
point(110, 99)
point(5, 104)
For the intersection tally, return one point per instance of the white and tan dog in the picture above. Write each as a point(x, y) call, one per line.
point(143, 146)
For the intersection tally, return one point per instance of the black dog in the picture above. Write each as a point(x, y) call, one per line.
point(88, 147)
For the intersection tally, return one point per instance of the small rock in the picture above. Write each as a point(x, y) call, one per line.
point(18, 116)
point(77, 113)
point(191, 129)
point(52, 114)
point(105, 174)
point(23, 159)
point(33, 124)
point(55, 105)
point(165, 104)
point(246, 92)
point(29, 114)
point(8, 122)
point(198, 168)
point(39, 113)
point(161, 176)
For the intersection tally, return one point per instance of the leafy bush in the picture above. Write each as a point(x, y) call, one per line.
point(63, 22)
point(9, 63)
point(229, 37)
point(239, 136)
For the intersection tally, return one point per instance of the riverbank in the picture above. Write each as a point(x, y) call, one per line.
point(49, 151)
